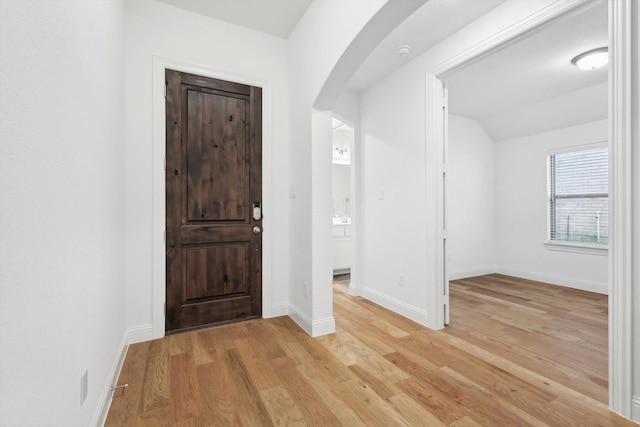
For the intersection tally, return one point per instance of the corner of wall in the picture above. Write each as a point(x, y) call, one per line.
point(635, 409)
point(314, 328)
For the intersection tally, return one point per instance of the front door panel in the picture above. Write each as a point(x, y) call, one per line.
point(213, 178)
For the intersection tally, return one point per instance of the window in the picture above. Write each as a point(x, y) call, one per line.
point(579, 196)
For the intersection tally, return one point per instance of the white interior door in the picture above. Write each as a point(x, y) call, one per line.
point(437, 124)
point(445, 158)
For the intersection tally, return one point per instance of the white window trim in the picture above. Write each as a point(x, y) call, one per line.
point(581, 147)
point(577, 248)
point(555, 245)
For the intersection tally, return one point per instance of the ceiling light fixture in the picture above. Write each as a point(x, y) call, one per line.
point(591, 59)
point(403, 50)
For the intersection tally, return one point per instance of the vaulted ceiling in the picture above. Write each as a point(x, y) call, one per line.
point(530, 85)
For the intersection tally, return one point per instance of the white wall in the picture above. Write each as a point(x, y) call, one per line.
point(471, 232)
point(392, 198)
point(61, 222)
point(157, 29)
point(521, 211)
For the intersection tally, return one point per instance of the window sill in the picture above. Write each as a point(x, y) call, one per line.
point(582, 249)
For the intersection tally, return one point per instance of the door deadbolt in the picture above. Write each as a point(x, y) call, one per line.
point(256, 230)
point(256, 211)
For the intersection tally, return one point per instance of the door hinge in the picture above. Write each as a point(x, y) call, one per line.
point(446, 300)
point(165, 236)
point(165, 88)
point(165, 309)
point(165, 163)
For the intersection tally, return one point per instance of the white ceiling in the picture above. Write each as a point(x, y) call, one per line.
point(275, 17)
point(525, 87)
point(429, 25)
point(530, 85)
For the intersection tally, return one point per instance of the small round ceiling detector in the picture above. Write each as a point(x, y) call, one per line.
point(403, 50)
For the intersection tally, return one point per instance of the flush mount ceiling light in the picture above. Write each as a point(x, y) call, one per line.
point(403, 50)
point(591, 59)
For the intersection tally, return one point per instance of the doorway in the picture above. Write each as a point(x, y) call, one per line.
point(500, 145)
point(499, 150)
point(342, 200)
point(213, 201)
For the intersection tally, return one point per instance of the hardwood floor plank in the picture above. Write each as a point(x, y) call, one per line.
point(218, 394)
point(258, 368)
point(155, 387)
point(282, 330)
point(415, 415)
point(185, 393)
point(335, 344)
point(331, 394)
point(431, 399)
point(203, 345)
point(473, 400)
point(159, 417)
point(250, 409)
point(372, 408)
point(281, 407)
point(488, 400)
point(517, 353)
point(267, 347)
point(310, 403)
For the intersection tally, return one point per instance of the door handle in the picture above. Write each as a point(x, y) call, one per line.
point(256, 230)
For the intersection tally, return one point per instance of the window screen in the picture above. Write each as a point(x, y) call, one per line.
point(579, 196)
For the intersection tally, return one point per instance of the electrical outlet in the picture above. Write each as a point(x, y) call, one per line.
point(84, 386)
point(306, 290)
point(400, 279)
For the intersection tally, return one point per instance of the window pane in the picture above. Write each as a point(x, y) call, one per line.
point(582, 172)
point(579, 204)
point(582, 220)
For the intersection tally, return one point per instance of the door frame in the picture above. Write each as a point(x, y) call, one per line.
point(158, 263)
point(621, 271)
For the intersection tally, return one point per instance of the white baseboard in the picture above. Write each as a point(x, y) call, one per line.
point(279, 309)
point(407, 310)
point(313, 328)
point(100, 416)
point(140, 333)
point(354, 290)
point(300, 318)
point(324, 326)
point(471, 273)
point(584, 285)
point(635, 409)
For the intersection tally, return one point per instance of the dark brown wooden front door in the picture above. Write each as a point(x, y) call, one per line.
point(213, 184)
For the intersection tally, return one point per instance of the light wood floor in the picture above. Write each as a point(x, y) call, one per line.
point(517, 353)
